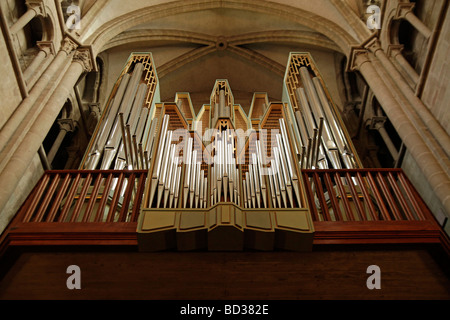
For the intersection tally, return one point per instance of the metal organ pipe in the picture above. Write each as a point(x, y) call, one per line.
point(339, 136)
point(316, 111)
point(160, 151)
point(309, 137)
point(112, 144)
point(102, 135)
point(310, 125)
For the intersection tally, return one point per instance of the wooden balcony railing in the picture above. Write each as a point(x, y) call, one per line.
point(362, 195)
point(85, 196)
point(80, 207)
point(368, 206)
point(360, 206)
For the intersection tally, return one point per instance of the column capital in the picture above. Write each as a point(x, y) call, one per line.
point(67, 125)
point(69, 45)
point(403, 8)
point(377, 122)
point(359, 53)
point(46, 46)
point(372, 44)
point(357, 56)
point(38, 6)
point(84, 56)
point(94, 107)
point(394, 49)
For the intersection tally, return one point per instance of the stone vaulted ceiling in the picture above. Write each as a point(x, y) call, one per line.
point(196, 42)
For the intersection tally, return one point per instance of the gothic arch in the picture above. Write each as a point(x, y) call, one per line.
point(210, 43)
point(330, 29)
point(291, 36)
point(48, 26)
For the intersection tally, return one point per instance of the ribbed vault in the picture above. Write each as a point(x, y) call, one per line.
point(257, 36)
point(101, 35)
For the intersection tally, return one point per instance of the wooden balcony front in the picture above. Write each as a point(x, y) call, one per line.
point(361, 206)
point(86, 207)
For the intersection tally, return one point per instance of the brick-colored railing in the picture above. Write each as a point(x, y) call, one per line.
point(368, 206)
point(85, 196)
point(79, 207)
point(359, 206)
point(363, 195)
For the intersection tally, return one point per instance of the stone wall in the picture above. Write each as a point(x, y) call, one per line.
point(436, 93)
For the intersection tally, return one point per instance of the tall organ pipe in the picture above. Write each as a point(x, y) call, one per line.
point(310, 126)
point(102, 135)
point(116, 145)
point(125, 107)
point(339, 136)
point(327, 138)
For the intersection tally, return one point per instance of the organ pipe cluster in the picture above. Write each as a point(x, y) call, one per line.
point(225, 174)
point(124, 139)
point(318, 133)
point(176, 176)
point(200, 173)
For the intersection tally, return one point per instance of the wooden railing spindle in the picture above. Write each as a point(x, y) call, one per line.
point(405, 208)
point(37, 197)
point(387, 194)
point(104, 199)
point(81, 199)
point(320, 195)
point(70, 198)
point(333, 197)
point(127, 197)
point(47, 198)
point(138, 198)
point(367, 197)
point(310, 195)
point(378, 197)
point(60, 195)
point(411, 196)
point(359, 209)
point(343, 192)
point(92, 200)
point(115, 199)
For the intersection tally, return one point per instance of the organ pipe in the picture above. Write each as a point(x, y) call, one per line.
point(131, 136)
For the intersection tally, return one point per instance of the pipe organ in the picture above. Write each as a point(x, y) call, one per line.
point(318, 129)
point(124, 133)
point(221, 179)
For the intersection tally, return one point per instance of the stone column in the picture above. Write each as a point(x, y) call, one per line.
point(74, 155)
point(395, 51)
point(20, 160)
point(43, 156)
point(94, 117)
point(415, 108)
point(23, 21)
point(46, 50)
point(364, 102)
point(26, 113)
point(405, 11)
point(378, 124)
point(65, 126)
point(360, 59)
point(35, 8)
